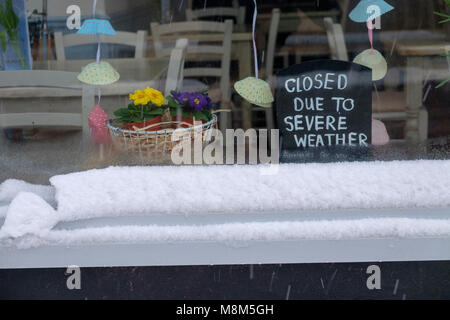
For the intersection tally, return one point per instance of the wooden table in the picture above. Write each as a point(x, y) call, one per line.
point(241, 51)
point(289, 21)
point(134, 74)
point(420, 56)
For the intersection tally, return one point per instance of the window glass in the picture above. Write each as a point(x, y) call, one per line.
point(115, 82)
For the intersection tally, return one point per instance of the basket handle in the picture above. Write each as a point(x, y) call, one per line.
point(160, 123)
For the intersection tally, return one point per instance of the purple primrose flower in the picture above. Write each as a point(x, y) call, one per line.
point(195, 100)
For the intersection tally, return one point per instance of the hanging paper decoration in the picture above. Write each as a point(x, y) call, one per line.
point(252, 89)
point(379, 133)
point(373, 60)
point(362, 12)
point(366, 11)
point(255, 91)
point(97, 26)
point(101, 73)
point(97, 123)
point(98, 73)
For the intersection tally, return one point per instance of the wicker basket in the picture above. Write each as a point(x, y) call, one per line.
point(156, 141)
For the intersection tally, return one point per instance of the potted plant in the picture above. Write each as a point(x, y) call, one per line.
point(150, 111)
point(145, 109)
point(148, 123)
point(191, 106)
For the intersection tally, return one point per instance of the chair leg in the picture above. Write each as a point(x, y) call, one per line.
point(285, 56)
point(423, 124)
point(225, 118)
point(224, 121)
point(269, 119)
point(298, 57)
point(286, 60)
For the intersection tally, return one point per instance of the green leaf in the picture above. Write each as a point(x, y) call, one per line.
point(444, 16)
point(199, 115)
point(4, 18)
point(12, 15)
point(442, 83)
point(208, 114)
point(186, 114)
point(123, 120)
point(3, 40)
point(174, 111)
point(122, 112)
point(155, 112)
point(441, 14)
point(172, 103)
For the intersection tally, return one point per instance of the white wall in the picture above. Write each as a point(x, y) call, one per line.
point(125, 15)
point(57, 8)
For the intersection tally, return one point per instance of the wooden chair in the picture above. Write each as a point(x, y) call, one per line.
point(336, 40)
point(303, 25)
point(344, 8)
point(386, 105)
point(175, 74)
point(208, 52)
point(238, 13)
point(269, 59)
point(137, 40)
point(36, 84)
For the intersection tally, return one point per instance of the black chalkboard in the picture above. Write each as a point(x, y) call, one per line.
point(324, 105)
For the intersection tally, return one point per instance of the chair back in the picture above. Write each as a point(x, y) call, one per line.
point(272, 42)
point(175, 74)
point(336, 40)
point(201, 52)
point(238, 13)
point(32, 84)
point(208, 52)
point(138, 40)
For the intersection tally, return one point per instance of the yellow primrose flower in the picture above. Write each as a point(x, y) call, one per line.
point(140, 98)
point(156, 97)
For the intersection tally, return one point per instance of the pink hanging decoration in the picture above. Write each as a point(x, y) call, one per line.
point(97, 124)
point(379, 133)
point(370, 27)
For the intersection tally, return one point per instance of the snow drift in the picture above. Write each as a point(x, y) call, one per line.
point(132, 191)
point(239, 189)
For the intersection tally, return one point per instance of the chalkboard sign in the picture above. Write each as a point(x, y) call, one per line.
point(324, 105)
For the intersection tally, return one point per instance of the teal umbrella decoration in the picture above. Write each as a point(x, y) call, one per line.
point(366, 11)
point(97, 26)
point(362, 12)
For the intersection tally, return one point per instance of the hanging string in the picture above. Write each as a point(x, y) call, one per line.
point(255, 51)
point(98, 48)
point(99, 95)
point(370, 28)
point(94, 7)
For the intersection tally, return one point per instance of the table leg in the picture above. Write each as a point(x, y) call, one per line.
point(416, 128)
point(245, 65)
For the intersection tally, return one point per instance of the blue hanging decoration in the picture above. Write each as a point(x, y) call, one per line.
point(361, 12)
point(365, 12)
point(97, 26)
